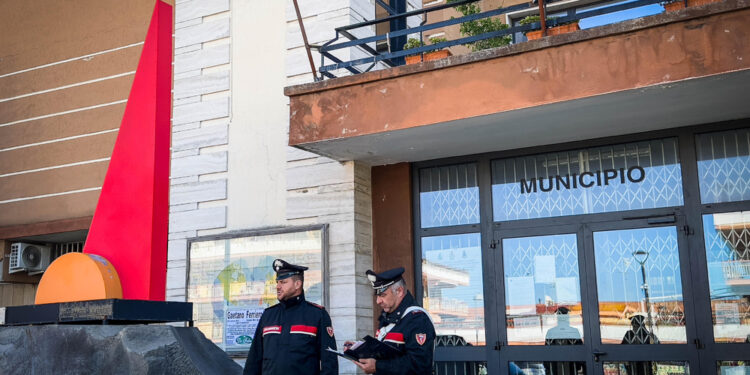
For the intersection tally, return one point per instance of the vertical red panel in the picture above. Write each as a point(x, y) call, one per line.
point(132, 216)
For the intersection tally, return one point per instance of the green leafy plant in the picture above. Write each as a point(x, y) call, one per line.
point(413, 43)
point(529, 20)
point(535, 18)
point(437, 40)
point(416, 43)
point(481, 26)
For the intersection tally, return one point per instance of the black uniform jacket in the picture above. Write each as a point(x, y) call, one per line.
point(291, 339)
point(414, 335)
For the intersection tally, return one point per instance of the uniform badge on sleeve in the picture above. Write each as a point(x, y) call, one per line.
point(421, 338)
point(330, 331)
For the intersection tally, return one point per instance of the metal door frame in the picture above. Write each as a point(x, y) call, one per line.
point(691, 213)
point(687, 352)
point(505, 353)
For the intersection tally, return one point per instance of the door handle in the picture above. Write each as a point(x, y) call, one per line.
point(662, 220)
point(597, 353)
point(698, 344)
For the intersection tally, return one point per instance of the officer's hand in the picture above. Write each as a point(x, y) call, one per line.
point(367, 365)
point(348, 345)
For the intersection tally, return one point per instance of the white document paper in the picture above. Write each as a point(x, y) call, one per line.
point(567, 290)
point(544, 269)
point(240, 326)
point(521, 297)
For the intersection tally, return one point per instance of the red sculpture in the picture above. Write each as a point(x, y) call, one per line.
point(132, 216)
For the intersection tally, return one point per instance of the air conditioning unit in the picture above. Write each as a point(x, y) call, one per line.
point(31, 258)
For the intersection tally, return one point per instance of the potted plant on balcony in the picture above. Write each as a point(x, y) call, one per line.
point(428, 56)
point(675, 5)
point(559, 29)
point(481, 26)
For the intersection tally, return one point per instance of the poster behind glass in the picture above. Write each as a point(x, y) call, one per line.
point(231, 281)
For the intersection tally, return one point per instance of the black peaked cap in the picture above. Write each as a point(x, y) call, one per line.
point(381, 281)
point(284, 269)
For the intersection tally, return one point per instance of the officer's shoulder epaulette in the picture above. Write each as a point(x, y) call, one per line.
point(415, 312)
point(316, 305)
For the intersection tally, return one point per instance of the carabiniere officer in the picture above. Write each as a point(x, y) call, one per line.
point(402, 324)
point(292, 336)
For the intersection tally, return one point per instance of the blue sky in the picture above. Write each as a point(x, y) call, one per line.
point(606, 19)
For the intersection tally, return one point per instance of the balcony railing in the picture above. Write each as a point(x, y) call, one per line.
point(330, 63)
point(447, 306)
point(737, 271)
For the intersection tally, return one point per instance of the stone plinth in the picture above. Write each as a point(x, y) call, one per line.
point(110, 349)
point(103, 311)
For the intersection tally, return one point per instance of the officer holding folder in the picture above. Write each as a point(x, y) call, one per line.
point(402, 325)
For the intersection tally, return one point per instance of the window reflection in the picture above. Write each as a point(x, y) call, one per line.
point(733, 368)
point(546, 368)
point(724, 166)
point(646, 368)
point(639, 286)
point(600, 179)
point(235, 275)
point(542, 293)
point(453, 294)
point(448, 195)
point(727, 238)
point(460, 368)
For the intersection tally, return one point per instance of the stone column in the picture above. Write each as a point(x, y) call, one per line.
point(200, 124)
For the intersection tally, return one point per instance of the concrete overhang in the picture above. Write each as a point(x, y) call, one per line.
point(663, 71)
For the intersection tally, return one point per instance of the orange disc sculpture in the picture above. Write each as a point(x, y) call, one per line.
point(78, 277)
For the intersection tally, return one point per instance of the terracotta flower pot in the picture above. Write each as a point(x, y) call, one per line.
point(562, 29)
point(429, 56)
point(680, 4)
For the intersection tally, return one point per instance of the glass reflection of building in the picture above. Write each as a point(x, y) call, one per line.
point(588, 181)
point(452, 282)
point(541, 281)
point(631, 231)
point(236, 273)
point(727, 237)
point(723, 174)
point(620, 284)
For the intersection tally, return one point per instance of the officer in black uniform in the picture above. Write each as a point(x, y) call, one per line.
point(402, 324)
point(292, 336)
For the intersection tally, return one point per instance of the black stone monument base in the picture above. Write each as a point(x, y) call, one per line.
point(110, 350)
point(107, 337)
point(104, 311)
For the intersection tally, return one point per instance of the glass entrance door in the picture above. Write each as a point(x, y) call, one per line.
point(724, 301)
point(596, 298)
point(643, 321)
point(615, 258)
point(542, 313)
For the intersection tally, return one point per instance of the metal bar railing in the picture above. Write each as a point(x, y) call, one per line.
point(343, 30)
point(736, 269)
point(605, 10)
point(415, 12)
point(431, 26)
point(375, 57)
point(431, 47)
point(386, 7)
